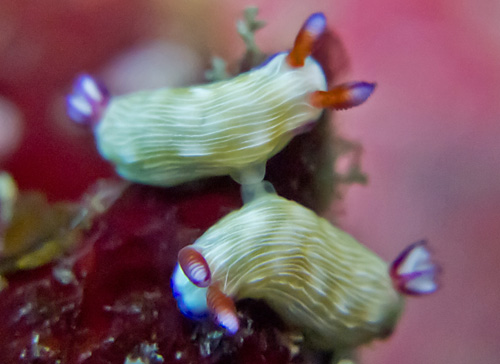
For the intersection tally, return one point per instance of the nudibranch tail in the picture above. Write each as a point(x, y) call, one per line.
point(311, 30)
point(413, 272)
point(194, 266)
point(223, 309)
point(343, 96)
point(88, 100)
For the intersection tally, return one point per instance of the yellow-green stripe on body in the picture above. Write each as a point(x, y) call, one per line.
point(315, 276)
point(170, 136)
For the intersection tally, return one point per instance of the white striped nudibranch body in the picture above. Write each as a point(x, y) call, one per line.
point(316, 277)
point(170, 136)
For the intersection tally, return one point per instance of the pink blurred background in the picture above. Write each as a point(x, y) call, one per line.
point(430, 133)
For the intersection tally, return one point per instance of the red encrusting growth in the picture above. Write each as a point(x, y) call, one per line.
point(223, 308)
point(307, 36)
point(343, 96)
point(194, 266)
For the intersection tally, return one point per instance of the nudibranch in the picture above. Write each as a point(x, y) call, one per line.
point(319, 279)
point(168, 136)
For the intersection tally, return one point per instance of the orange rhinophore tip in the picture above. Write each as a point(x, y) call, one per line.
point(310, 32)
point(343, 96)
point(223, 309)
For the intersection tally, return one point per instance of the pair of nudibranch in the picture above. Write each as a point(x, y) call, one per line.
point(316, 277)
